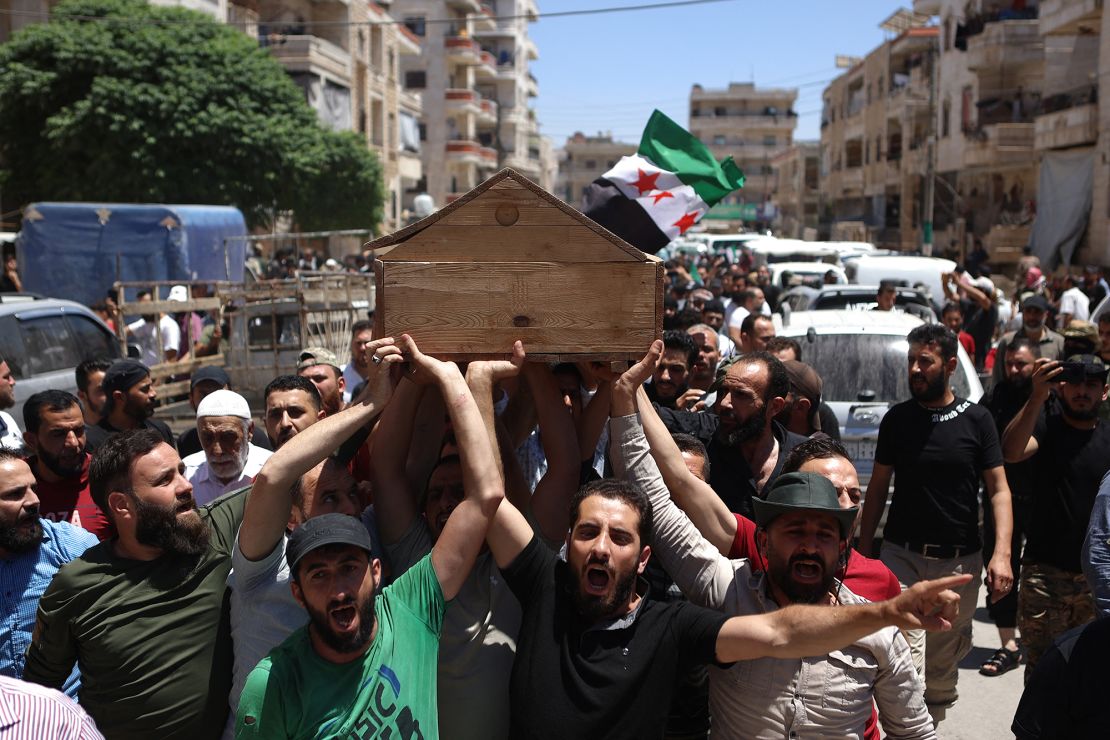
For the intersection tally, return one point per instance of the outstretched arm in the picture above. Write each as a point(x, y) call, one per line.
point(1018, 442)
point(458, 545)
point(804, 631)
point(482, 377)
point(268, 506)
point(394, 499)
point(551, 499)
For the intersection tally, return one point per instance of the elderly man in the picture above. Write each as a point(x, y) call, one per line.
point(130, 397)
point(1050, 345)
point(204, 381)
point(31, 551)
point(56, 437)
point(228, 460)
point(321, 367)
point(144, 615)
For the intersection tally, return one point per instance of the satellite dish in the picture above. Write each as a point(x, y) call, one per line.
point(423, 205)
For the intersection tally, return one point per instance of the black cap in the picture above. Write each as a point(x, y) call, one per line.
point(327, 529)
point(1092, 364)
point(1035, 301)
point(122, 375)
point(211, 372)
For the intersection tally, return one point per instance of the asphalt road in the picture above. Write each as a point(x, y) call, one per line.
point(986, 706)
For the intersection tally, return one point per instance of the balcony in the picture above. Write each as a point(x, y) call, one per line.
point(487, 112)
point(311, 54)
point(893, 171)
point(488, 157)
point(1005, 44)
point(486, 67)
point(928, 7)
point(458, 101)
point(851, 179)
point(484, 19)
point(462, 50)
point(506, 70)
point(1000, 144)
point(464, 151)
point(531, 87)
point(472, 7)
point(1077, 126)
point(1070, 17)
point(530, 50)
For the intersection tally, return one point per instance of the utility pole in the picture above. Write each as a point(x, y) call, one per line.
point(930, 155)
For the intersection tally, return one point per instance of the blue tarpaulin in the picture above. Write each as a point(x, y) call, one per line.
point(77, 250)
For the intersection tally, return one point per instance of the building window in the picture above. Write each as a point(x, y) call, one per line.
point(591, 164)
point(945, 114)
point(415, 80)
point(415, 23)
point(770, 141)
point(719, 140)
point(423, 132)
point(720, 112)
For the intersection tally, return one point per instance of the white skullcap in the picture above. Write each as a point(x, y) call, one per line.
point(224, 403)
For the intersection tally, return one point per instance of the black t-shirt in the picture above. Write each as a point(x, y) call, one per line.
point(189, 441)
point(938, 456)
point(980, 323)
point(1067, 469)
point(1066, 695)
point(96, 434)
point(1004, 403)
point(573, 681)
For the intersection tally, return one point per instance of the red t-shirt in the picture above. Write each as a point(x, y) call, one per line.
point(69, 501)
point(864, 577)
point(968, 343)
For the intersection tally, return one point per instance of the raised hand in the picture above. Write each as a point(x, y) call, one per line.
point(383, 355)
point(495, 370)
point(424, 369)
point(638, 374)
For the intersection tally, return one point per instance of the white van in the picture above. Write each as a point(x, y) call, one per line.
point(908, 269)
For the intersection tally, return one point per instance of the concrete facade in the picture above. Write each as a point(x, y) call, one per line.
point(583, 159)
point(796, 191)
point(751, 125)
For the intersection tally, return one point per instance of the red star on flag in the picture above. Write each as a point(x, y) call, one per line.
point(686, 222)
point(646, 183)
point(660, 196)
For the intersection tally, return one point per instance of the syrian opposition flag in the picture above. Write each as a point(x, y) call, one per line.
point(658, 193)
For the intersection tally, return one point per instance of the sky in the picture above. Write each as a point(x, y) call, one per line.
point(606, 72)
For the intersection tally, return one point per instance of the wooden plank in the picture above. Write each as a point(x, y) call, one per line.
point(570, 242)
point(555, 309)
point(188, 367)
point(168, 390)
point(200, 305)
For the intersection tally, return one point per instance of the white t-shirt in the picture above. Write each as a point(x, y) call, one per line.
point(737, 317)
point(10, 436)
point(1075, 302)
point(146, 336)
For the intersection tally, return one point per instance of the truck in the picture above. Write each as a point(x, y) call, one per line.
point(78, 251)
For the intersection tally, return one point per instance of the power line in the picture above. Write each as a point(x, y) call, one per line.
point(391, 22)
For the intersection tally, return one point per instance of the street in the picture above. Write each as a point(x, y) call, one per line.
point(986, 706)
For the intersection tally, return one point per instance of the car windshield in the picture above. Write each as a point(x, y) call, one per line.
point(852, 363)
point(858, 301)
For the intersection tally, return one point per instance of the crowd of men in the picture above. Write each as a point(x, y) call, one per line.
point(407, 547)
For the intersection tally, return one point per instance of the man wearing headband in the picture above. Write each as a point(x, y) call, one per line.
point(129, 404)
point(1069, 453)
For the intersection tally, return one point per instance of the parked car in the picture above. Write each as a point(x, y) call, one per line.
point(861, 358)
point(44, 340)
point(909, 270)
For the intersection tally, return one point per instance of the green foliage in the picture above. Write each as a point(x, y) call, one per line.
point(185, 110)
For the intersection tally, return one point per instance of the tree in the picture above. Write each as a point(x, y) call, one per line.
point(166, 105)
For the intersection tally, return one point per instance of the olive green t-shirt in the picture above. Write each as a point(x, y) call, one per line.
point(152, 639)
point(390, 692)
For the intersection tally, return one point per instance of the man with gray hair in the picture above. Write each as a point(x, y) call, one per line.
point(227, 460)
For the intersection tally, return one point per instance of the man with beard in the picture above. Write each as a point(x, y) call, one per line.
point(363, 664)
point(56, 437)
point(704, 369)
point(144, 615)
point(300, 481)
point(130, 397)
point(227, 460)
point(31, 550)
point(1004, 402)
point(938, 447)
point(597, 656)
point(801, 414)
point(703, 572)
point(358, 369)
point(203, 382)
point(90, 391)
point(1069, 453)
point(292, 405)
point(1034, 309)
point(10, 437)
point(320, 366)
point(755, 331)
point(671, 379)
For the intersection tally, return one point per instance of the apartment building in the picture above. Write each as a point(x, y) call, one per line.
point(874, 127)
point(751, 125)
point(796, 190)
point(583, 159)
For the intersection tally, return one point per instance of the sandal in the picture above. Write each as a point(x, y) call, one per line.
point(1002, 661)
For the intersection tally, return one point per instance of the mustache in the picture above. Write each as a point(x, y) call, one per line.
point(802, 558)
point(341, 603)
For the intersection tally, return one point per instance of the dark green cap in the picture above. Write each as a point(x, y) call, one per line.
point(803, 492)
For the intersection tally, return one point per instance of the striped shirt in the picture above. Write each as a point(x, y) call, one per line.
point(32, 712)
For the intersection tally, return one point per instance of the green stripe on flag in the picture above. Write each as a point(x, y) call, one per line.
point(673, 148)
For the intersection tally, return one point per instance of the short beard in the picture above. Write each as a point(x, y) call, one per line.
point(12, 540)
point(749, 429)
point(934, 390)
point(595, 608)
point(54, 464)
point(1076, 414)
point(136, 411)
point(796, 592)
point(345, 644)
point(159, 526)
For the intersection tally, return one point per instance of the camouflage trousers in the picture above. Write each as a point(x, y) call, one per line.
point(1051, 601)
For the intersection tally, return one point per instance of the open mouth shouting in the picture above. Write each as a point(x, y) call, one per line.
point(598, 578)
point(807, 570)
point(344, 617)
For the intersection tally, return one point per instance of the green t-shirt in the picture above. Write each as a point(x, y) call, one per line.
point(390, 692)
point(152, 639)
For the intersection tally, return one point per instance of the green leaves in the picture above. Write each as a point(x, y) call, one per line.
point(130, 110)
